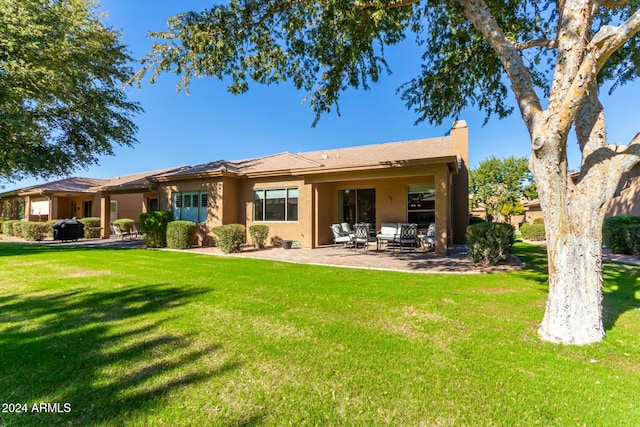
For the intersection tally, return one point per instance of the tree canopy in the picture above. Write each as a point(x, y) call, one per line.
point(61, 77)
point(499, 184)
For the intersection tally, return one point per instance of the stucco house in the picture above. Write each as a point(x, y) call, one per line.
point(78, 197)
point(300, 195)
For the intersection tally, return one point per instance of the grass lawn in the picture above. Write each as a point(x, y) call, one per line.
point(139, 337)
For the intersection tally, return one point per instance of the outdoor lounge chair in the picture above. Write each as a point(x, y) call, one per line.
point(387, 233)
point(429, 238)
point(117, 231)
point(340, 236)
point(408, 236)
point(361, 236)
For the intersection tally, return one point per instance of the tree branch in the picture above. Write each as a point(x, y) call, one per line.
point(608, 39)
point(479, 14)
point(391, 5)
point(613, 4)
point(546, 43)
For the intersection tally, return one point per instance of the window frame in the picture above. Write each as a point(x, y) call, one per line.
point(179, 206)
point(287, 206)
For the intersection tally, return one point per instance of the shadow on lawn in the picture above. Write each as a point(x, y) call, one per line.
point(106, 353)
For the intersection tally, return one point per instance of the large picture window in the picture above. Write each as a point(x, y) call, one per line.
point(190, 206)
point(276, 204)
point(421, 205)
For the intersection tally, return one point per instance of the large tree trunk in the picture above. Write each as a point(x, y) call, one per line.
point(574, 304)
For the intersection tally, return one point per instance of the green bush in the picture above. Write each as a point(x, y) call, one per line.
point(125, 224)
point(90, 221)
point(489, 242)
point(2, 220)
point(7, 227)
point(534, 232)
point(230, 237)
point(49, 224)
point(181, 234)
point(259, 233)
point(613, 235)
point(538, 220)
point(34, 231)
point(154, 227)
point(16, 228)
point(632, 234)
point(476, 220)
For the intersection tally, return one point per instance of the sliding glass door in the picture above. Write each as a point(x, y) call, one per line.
point(358, 205)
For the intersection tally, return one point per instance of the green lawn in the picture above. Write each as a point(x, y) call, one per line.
point(138, 337)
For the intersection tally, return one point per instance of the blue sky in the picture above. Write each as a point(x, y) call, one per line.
point(211, 124)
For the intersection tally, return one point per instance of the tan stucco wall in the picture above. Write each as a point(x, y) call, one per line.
point(129, 205)
point(301, 230)
point(214, 189)
point(460, 182)
point(627, 200)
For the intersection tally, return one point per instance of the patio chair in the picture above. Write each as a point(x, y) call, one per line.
point(340, 236)
point(361, 236)
point(346, 228)
point(117, 231)
point(135, 231)
point(408, 236)
point(429, 238)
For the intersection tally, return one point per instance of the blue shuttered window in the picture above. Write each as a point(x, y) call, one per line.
point(190, 206)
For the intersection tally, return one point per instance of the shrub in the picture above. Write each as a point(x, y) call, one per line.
point(632, 235)
point(490, 243)
point(125, 224)
point(2, 220)
point(276, 241)
point(613, 235)
point(7, 227)
point(535, 232)
point(34, 231)
point(476, 220)
point(154, 227)
point(230, 237)
point(538, 220)
point(90, 221)
point(49, 225)
point(16, 228)
point(259, 233)
point(180, 234)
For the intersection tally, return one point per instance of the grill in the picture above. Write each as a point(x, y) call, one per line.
point(68, 229)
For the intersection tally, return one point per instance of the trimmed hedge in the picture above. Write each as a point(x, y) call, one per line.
point(632, 235)
point(476, 220)
point(91, 221)
point(50, 226)
point(2, 220)
point(613, 234)
point(230, 237)
point(181, 234)
point(534, 232)
point(154, 227)
point(34, 231)
point(125, 224)
point(490, 242)
point(259, 233)
point(16, 228)
point(7, 227)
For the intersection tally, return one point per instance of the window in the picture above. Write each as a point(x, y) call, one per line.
point(87, 208)
point(40, 206)
point(278, 204)
point(190, 206)
point(113, 210)
point(421, 205)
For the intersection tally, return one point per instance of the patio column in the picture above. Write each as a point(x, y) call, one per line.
point(105, 216)
point(442, 209)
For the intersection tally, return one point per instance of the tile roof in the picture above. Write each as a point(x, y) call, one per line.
point(364, 155)
point(66, 185)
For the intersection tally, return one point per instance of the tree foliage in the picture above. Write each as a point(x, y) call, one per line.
point(498, 184)
point(61, 98)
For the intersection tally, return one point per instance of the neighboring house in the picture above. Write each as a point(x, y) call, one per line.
point(77, 197)
point(627, 197)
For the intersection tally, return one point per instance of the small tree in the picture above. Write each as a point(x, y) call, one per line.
point(498, 184)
